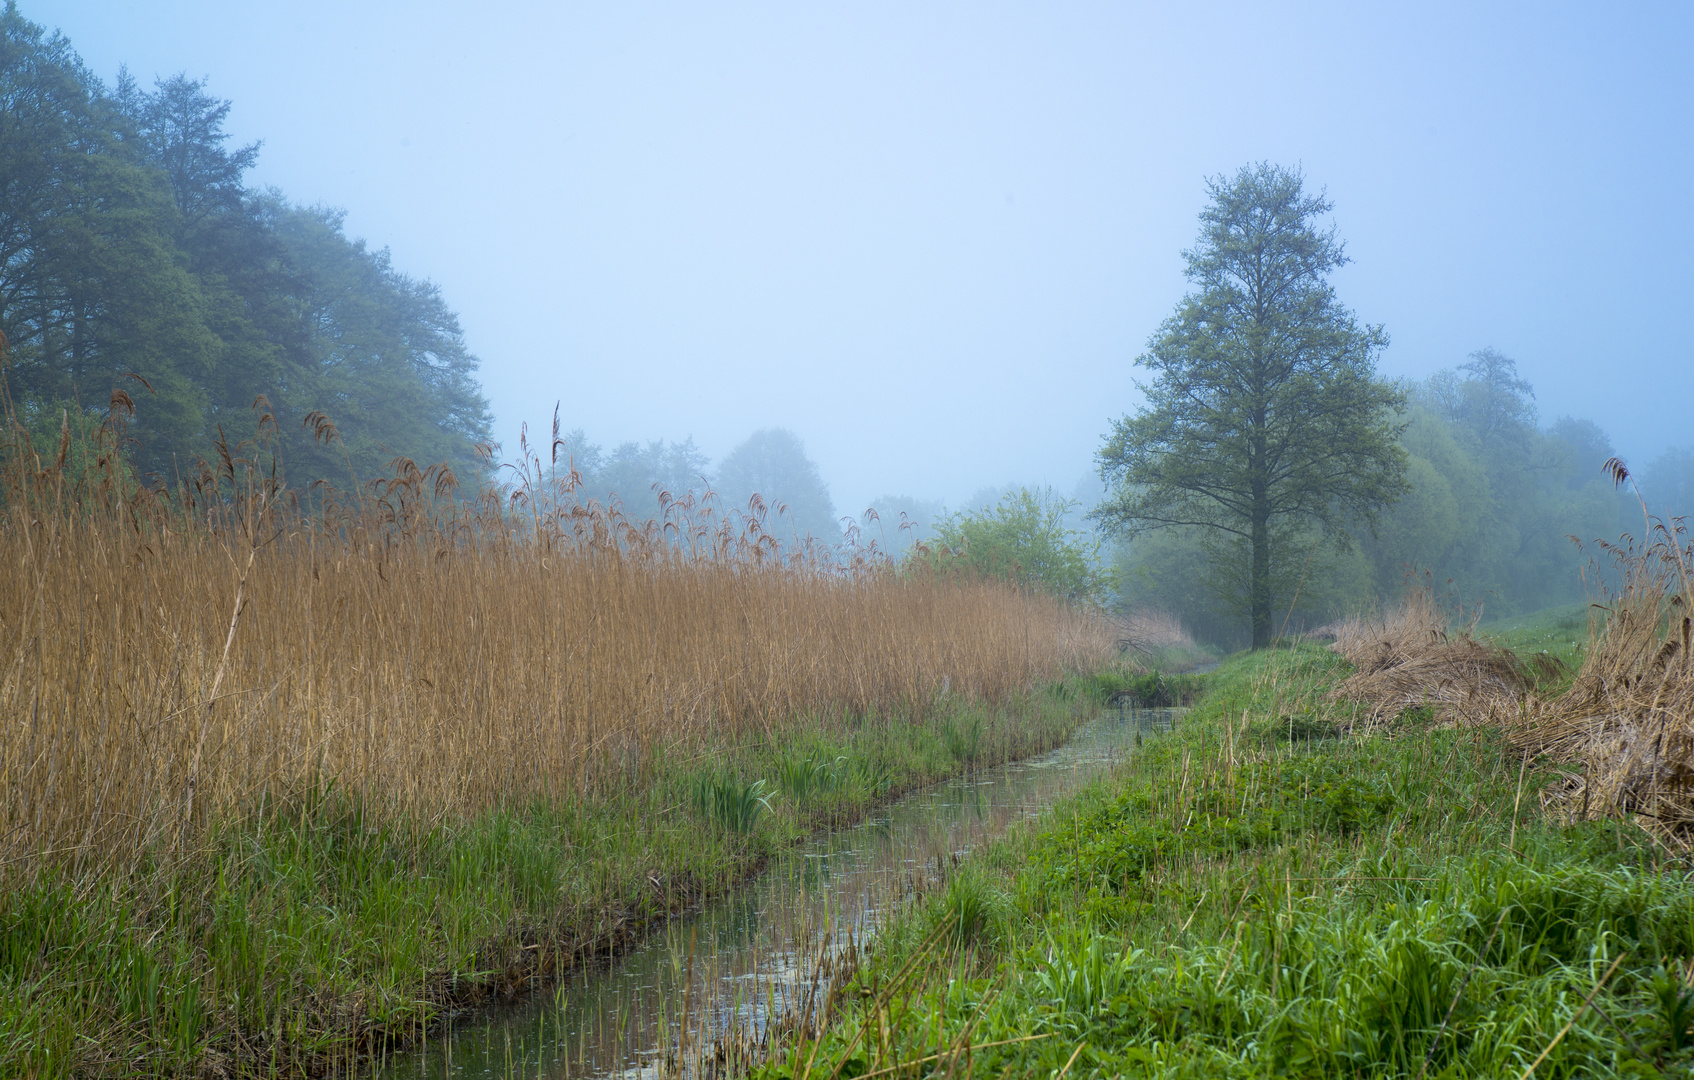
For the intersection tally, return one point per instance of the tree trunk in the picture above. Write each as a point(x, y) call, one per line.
point(1259, 584)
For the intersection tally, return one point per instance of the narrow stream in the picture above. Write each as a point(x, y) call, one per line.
point(768, 954)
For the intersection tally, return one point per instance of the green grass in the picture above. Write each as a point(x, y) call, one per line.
point(1236, 902)
point(1155, 689)
point(1560, 632)
point(312, 933)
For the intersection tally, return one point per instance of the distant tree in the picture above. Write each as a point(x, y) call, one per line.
point(586, 457)
point(988, 496)
point(1538, 488)
point(772, 464)
point(633, 474)
point(1024, 538)
point(1668, 484)
point(637, 475)
point(1491, 401)
point(1265, 419)
point(1582, 447)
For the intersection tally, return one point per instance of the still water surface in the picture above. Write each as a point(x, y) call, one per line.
point(768, 953)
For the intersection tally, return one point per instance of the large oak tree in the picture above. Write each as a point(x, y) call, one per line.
point(1266, 426)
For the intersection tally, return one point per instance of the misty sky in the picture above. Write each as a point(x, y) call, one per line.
point(932, 238)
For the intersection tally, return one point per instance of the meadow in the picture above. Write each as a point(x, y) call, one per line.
point(291, 776)
point(1243, 902)
point(1419, 850)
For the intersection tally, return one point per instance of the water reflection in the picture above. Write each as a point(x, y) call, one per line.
point(772, 953)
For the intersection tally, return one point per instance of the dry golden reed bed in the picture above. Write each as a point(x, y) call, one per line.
point(434, 656)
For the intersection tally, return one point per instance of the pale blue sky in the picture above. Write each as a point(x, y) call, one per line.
point(931, 238)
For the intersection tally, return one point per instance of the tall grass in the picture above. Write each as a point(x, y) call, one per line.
point(288, 776)
point(1626, 723)
point(170, 656)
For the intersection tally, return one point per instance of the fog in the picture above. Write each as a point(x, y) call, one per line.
point(930, 242)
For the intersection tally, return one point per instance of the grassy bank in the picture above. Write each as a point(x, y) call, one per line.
point(1253, 895)
point(1559, 632)
point(307, 933)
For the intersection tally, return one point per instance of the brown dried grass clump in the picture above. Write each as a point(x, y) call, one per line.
point(1627, 722)
point(1624, 728)
point(169, 657)
point(1410, 658)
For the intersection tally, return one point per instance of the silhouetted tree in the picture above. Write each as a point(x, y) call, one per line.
point(1668, 484)
point(772, 463)
point(900, 521)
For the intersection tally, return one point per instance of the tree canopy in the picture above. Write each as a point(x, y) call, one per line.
point(1265, 419)
point(129, 243)
point(772, 464)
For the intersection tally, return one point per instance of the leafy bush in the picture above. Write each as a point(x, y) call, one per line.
point(1023, 539)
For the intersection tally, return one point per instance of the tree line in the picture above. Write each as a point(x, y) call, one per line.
point(133, 253)
point(1275, 480)
point(1272, 478)
point(771, 463)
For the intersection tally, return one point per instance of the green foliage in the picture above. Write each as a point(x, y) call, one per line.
point(971, 913)
point(1023, 538)
point(385, 356)
point(1514, 496)
point(803, 777)
point(1079, 971)
point(1492, 506)
point(131, 246)
point(963, 736)
point(1675, 999)
point(1265, 422)
point(730, 803)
